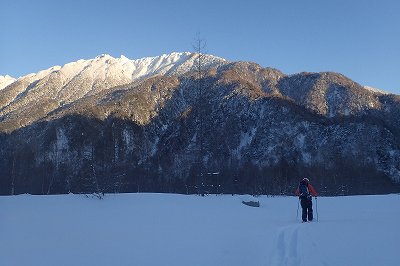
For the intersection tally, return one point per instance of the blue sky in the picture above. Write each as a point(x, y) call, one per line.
point(360, 39)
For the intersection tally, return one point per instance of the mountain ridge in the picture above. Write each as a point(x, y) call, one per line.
point(57, 86)
point(258, 127)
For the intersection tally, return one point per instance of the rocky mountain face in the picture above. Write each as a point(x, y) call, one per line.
point(155, 124)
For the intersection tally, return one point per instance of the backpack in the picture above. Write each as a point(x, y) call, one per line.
point(304, 192)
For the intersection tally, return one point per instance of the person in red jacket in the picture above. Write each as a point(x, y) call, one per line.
point(305, 192)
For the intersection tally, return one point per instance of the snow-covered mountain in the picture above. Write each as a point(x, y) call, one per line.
point(114, 124)
point(5, 81)
point(375, 90)
point(58, 85)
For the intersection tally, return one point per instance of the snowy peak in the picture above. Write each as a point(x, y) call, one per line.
point(61, 85)
point(105, 67)
point(174, 63)
point(5, 81)
point(375, 90)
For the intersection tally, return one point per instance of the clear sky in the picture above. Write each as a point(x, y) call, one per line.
point(358, 38)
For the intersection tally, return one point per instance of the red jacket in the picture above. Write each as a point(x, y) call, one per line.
point(310, 188)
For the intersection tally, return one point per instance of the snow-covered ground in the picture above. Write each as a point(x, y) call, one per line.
point(160, 229)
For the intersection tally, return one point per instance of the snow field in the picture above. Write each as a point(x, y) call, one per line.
point(165, 229)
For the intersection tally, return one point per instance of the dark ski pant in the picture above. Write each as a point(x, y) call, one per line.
point(306, 205)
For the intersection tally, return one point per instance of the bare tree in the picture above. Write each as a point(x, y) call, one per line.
point(199, 47)
point(92, 161)
point(13, 176)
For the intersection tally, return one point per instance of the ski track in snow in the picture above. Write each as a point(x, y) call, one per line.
point(290, 252)
point(286, 252)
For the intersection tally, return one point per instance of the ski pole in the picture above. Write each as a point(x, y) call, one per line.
point(297, 213)
point(316, 205)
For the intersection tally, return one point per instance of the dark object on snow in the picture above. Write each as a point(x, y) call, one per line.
point(251, 203)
